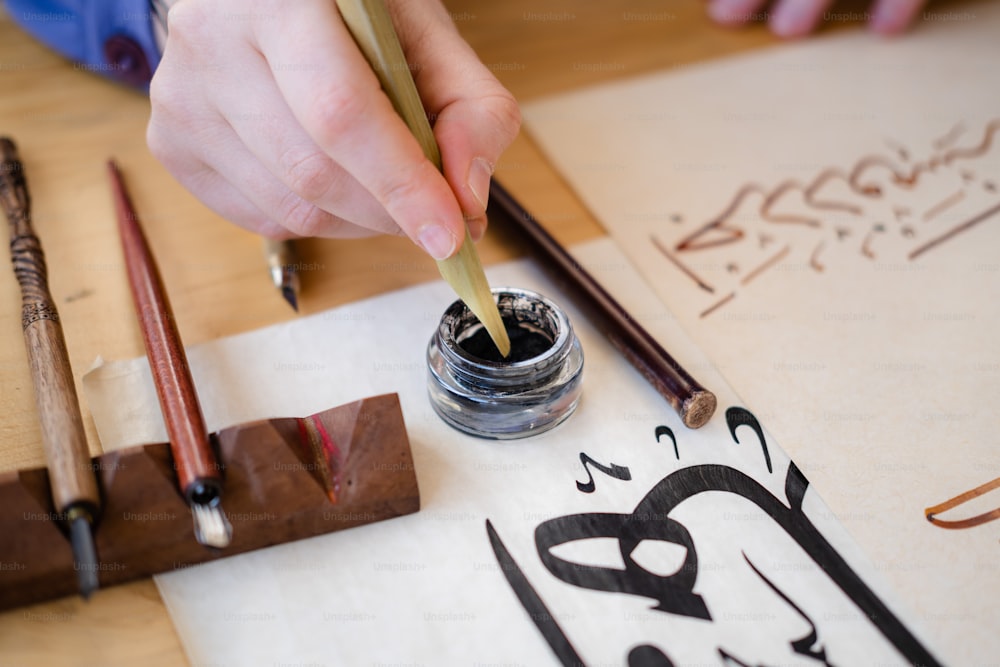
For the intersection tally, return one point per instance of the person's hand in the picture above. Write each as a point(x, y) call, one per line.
point(269, 113)
point(795, 18)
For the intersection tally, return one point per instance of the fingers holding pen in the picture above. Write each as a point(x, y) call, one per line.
point(295, 137)
point(339, 104)
point(475, 117)
point(210, 116)
point(284, 172)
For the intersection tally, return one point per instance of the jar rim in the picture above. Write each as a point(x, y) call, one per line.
point(507, 297)
point(505, 400)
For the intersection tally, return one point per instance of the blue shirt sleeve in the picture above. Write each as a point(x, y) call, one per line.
point(113, 38)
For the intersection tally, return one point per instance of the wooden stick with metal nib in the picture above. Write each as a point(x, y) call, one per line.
point(372, 29)
point(74, 485)
point(280, 256)
point(198, 472)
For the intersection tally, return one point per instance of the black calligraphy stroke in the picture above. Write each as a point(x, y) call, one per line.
point(806, 645)
point(532, 603)
point(666, 430)
point(616, 471)
point(674, 593)
point(736, 417)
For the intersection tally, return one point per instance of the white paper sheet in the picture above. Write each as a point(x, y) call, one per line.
point(428, 589)
point(863, 323)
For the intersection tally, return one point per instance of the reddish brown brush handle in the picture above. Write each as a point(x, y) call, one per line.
point(194, 458)
point(63, 436)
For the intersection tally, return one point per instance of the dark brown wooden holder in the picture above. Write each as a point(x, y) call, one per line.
point(274, 493)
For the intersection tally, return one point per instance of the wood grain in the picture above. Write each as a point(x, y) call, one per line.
point(63, 437)
point(274, 494)
point(193, 457)
point(219, 286)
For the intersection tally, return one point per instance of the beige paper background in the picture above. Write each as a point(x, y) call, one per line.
point(878, 373)
point(426, 589)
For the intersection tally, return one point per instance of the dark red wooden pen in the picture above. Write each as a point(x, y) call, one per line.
point(198, 471)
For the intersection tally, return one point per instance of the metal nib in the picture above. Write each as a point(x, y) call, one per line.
point(291, 296)
point(282, 262)
point(84, 555)
point(211, 527)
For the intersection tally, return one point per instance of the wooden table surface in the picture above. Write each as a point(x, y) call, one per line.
point(67, 122)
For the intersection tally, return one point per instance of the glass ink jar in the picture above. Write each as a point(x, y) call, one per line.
point(533, 390)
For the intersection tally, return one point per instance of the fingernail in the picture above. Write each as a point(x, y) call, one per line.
point(480, 173)
point(437, 241)
point(884, 19)
point(477, 228)
point(729, 11)
point(790, 20)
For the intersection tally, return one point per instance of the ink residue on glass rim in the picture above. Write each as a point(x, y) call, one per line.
point(534, 389)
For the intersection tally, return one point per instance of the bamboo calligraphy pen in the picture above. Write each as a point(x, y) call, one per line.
point(71, 475)
point(371, 27)
point(198, 470)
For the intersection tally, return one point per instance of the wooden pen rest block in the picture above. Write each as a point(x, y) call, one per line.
point(285, 480)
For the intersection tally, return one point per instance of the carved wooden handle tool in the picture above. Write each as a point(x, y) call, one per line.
point(74, 485)
point(198, 470)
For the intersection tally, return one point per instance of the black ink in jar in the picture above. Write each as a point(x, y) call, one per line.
point(479, 392)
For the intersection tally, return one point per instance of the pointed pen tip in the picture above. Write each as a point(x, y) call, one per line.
point(291, 297)
point(84, 556)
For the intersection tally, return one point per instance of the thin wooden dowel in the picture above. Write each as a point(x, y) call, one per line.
point(693, 403)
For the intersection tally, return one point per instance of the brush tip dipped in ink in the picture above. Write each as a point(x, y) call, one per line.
point(534, 388)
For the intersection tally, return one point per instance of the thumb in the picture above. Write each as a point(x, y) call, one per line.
point(475, 118)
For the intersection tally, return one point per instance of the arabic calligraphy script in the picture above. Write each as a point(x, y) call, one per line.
point(890, 206)
point(690, 593)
